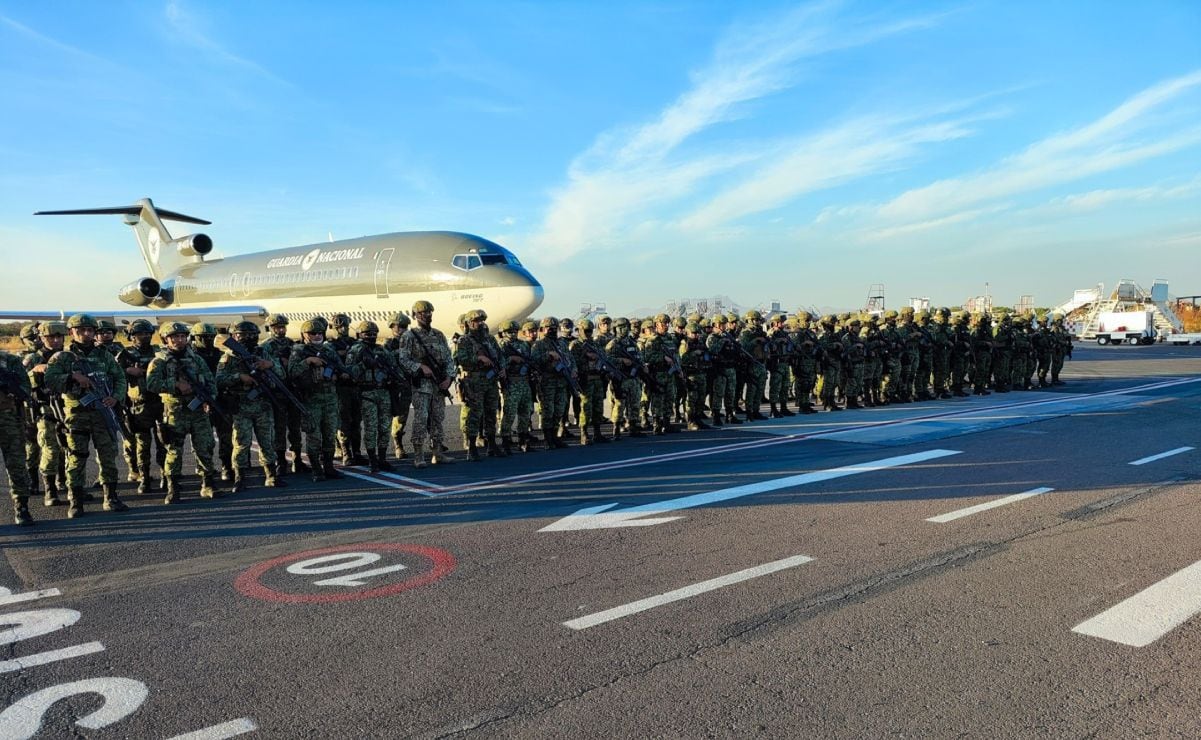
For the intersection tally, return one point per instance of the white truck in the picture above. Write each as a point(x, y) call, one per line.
point(1182, 339)
point(1131, 327)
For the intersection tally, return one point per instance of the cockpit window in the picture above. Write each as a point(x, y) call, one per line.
point(473, 261)
point(493, 259)
point(460, 261)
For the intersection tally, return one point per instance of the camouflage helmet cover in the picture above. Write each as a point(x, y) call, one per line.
point(54, 329)
point(621, 321)
point(312, 326)
point(508, 326)
point(140, 326)
point(548, 322)
point(529, 325)
point(399, 319)
point(421, 306)
point(585, 325)
point(890, 315)
point(105, 325)
point(365, 327)
point(81, 321)
point(202, 329)
point(277, 319)
point(339, 320)
point(244, 327)
point(171, 328)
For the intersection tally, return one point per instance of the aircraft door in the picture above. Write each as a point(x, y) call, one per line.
point(382, 261)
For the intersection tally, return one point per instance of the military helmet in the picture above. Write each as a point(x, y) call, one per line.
point(704, 323)
point(475, 314)
point(312, 326)
point(171, 328)
point(105, 325)
point(244, 327)
point(339, 320)
point(907, 310)
point(682, 323)
point(508, 326)
point(566, 323)
point(694, 317)
point(890, 314)
point(692, 327)
point(140, 326)
point(529, 326)
point(548, 322)
point(604, 319)
point(53, 329)
point(828, 319)
point(753, 315)
point(29, 331)
point(621, 321)
point(792, 324)
point(365, 327)
point(420, 306)
point(661, 318)
point(921, 315)
point(731, 317)
point(202, 329)
point(636, 320)
point(585, 325)
point(399, 319)
point(81, 321)
point(277, 319)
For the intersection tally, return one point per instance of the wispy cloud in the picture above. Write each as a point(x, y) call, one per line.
point(1128, 134)
point(190, 28)
point(1096, 199)
point(41, 38)
point(629, 171)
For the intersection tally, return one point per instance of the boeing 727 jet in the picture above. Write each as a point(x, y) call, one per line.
point(371, 277)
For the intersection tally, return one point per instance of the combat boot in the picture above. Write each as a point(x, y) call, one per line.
point(206, 487)
point(172, 490)
point(298, 465)
point(34, 479)
point(525, 442)
point(494, 449)
point(473, 454)
point(669, 427)
point(113, 502)
point(785, 411)
point(239, 483)
point(372, 461)
point(585, 439)
point(419, 457)
point(317, 469)
point(144, 482)
point(506, 444)
point(774, 413)
point(381, 458)
point(226, 475)
point(51, 498)
point(732, 418)
point(439, 457)
point(271, 477)
point(853, 402)
point(398, 443)
point(327, 466)
point(597, 436)
point(717, 422)
point(21, 515)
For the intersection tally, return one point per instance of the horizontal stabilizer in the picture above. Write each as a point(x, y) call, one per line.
point(126, 211)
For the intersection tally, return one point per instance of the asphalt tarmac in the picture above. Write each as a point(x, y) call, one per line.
point(1023, 564)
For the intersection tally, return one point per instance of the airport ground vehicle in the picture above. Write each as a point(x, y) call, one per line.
point(1131, 327)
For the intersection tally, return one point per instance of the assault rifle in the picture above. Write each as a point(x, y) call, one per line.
point(437, 368)
point(640, 370)
point(200, 394)
point(747, 356)
point(10, 383)
point(266, 382)
point(604, 363)
point(95, 397)
point(497, 371)
point(565, 366)
point(513, 349)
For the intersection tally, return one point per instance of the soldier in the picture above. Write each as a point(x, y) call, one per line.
point(982, 348)
point(623, 351)
point(804, 376)
point(31, 338)
point(943, 339)
point(183, 380)
point(725, 375)
point(1043, 340)
point(91, 384)
point(425, 355)
point(925, 356)
point(349, 436)
point(106, 336)
point(778, 350)
point(15, 393)
point(31, 347)
point(873, 363)
point(478, 355)
point(1002, 355)
point(659, 361)
point(401, 389)
point(252, 410)
point(855, 355)
point(203, 337)
point(910, 353)
point(831, 350)
point(675, 335)
point(287, 417)
point(547, 355)
point(1061, 347)
point(50, 438)
point(315, 370)
point(593, 381)
point(145, 409)
point(696, 363)
point(373, 369)
point(754, 342)
point(565, 338)
point(961, 354)
point(1021, 349)
point(516, 397)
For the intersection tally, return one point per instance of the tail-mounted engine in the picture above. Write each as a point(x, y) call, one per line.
point(193, 245)
point(141, 292)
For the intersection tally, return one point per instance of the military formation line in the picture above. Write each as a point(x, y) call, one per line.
point(354, 398)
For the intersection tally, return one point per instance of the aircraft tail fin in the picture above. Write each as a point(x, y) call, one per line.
point(163, 255)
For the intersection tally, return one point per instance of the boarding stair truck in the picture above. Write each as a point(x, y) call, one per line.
point(1183, 339)
point(1130, 327)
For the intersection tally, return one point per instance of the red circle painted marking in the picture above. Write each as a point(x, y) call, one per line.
point(248, 584)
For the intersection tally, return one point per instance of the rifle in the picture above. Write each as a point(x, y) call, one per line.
point(438, 370)
point(747, 356)
point(564, 367)
point(95, 398)
point(497, 369)
point(10, 383)
point(640, 370)
point(512, 349)
point(603, 362)
point(200, 395)
point(673, 360)
point(266, 382)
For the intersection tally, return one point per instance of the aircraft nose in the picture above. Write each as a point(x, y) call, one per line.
point(534, 297)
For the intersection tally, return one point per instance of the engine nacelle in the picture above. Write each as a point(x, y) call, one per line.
point(140, 292)
point(193, 245)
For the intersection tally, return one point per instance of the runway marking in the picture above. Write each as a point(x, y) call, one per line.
point(599, 517)
point(233, 728)
point(678, 594)
point(1151, 613)
point(968, 511)
point(8, 598)
point(50, 656)
point(1160, 456)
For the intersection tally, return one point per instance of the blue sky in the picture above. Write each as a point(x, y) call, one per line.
point(628, 152)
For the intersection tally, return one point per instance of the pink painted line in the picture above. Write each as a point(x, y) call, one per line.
point(426, 488)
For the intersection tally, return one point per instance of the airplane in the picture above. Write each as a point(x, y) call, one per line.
point(371, 277)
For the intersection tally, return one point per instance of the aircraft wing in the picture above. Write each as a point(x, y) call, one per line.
point(122, 317)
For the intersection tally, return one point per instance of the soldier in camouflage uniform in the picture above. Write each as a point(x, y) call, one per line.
point(31, 349)
point(15, 392)
point(943, 339)
point(547, 355)
point(349, 436)
point(658, 357)
point(203, 337)
point(401, 390)
point(252, 410)
point(373, 368)
point(106, 337)
point(517, 400)
point(721, 389)
point(478, 357)
point(925, 357)
point(894, 348)
point(1042, 341)
point(831, 351)
point(287, 417)
point(873, 363)
point(74, 373)
point(46, 452)
point(623, 351)
point(1021, 349)
point(961, 354)
point(1002, 354)
point(754, 341)
point(176, 373)
point(696, 363)
point(804, 372)
point(588, 357)
point(776, 350)
point(313, 368)
point(425, 355)
point(566, 336)
point(910, 354)
point(854, 352)
point(145, 409)
point(1061, 347)
point(982, 349)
